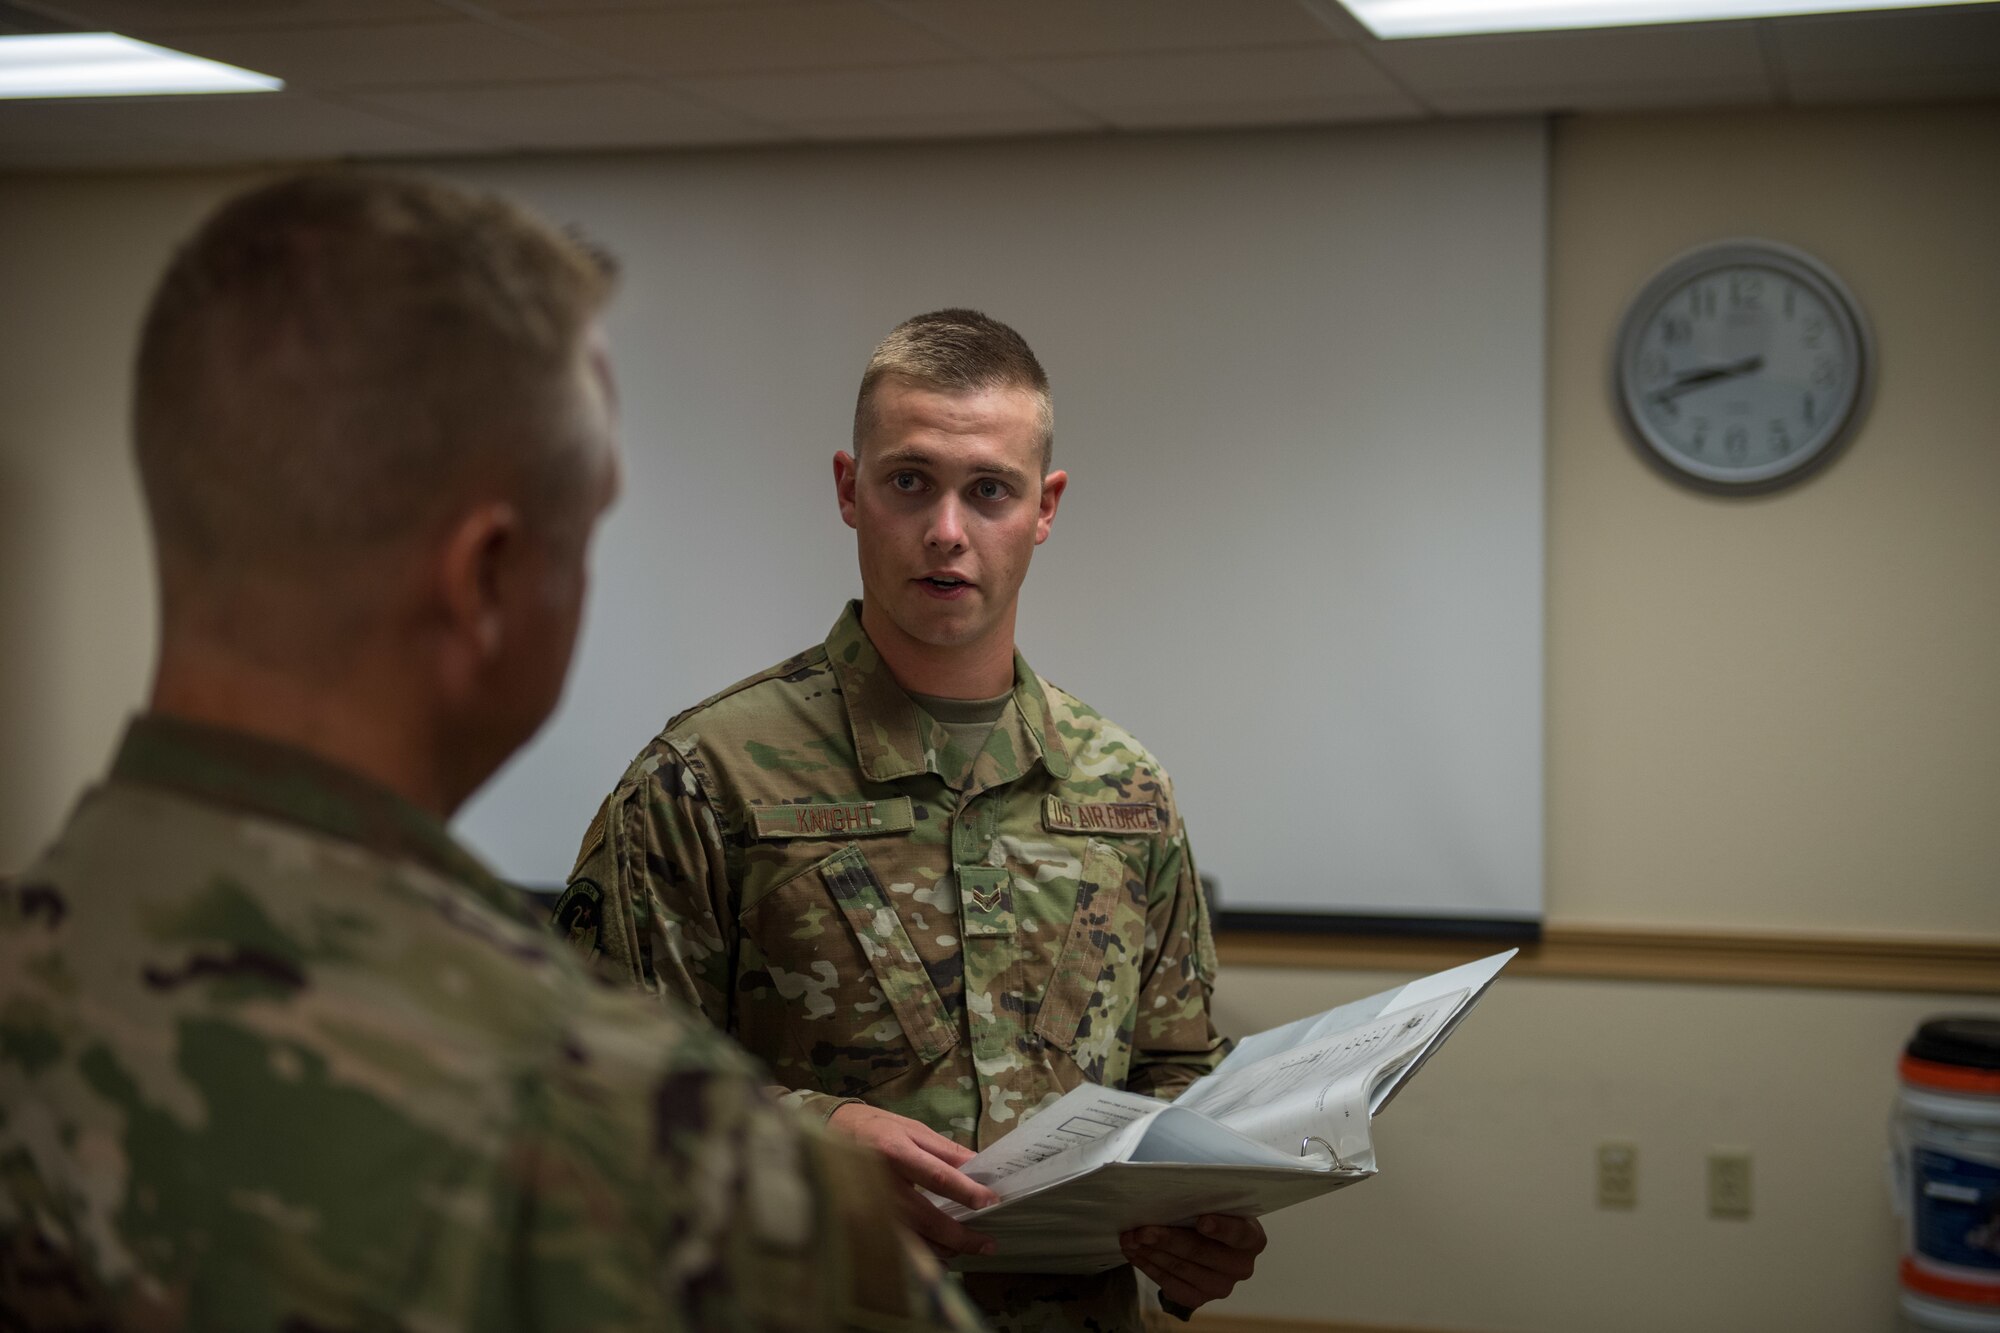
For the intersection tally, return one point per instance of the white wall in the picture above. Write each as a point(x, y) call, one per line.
point(1298, 387)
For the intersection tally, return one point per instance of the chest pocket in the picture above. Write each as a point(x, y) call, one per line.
point(834, 994)
point(1090, 1006)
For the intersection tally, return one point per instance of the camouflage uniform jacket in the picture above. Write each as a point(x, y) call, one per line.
point(791, 857)
point(275, 1052)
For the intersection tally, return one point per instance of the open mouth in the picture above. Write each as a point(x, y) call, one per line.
point(945, 585)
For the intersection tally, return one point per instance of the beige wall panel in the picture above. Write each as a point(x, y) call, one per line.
point(1484, 1215)
point(1781, 713)
point(78, 256)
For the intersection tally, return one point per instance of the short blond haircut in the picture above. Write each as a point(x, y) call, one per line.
point(331, 359)
point(955, 351)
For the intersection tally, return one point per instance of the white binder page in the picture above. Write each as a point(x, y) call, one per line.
point(1320, 1090)
point(1472, 977)
point(1084, 1128)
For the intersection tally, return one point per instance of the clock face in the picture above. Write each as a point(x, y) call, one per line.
point(1743, 365)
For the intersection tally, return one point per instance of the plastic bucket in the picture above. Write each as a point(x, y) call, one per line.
point(1946, 1155)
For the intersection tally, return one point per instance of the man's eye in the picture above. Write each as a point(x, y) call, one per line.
point(905, 481)
point(989, 490)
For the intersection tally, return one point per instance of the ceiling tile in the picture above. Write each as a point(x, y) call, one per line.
point(140, 17)
point(1271, 114)
point(52, 126)
point(750, 38)
point(1029, 28)
point(1183, 84)
point(1897, 85)
point(1445, 71)
point(1930, 39)
point(606, 114)
point(1632, 95)
point(130, 155)
point(873, 94)
point(964, 126)
point(283, 126)
point(606, 6)
point(389, 54)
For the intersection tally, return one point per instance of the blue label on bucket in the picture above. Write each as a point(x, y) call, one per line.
point(1956, 1208)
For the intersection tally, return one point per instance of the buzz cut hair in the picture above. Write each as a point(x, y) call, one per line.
point(331, 361)
point(955, 351)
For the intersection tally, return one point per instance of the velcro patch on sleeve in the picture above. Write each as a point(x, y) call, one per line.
point(834, 819)
point(1113, 817)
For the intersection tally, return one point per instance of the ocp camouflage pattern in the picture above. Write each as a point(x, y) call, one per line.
point(958, 939)
point(276, 1053)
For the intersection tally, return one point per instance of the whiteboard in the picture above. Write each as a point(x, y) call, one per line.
point(1298, 380)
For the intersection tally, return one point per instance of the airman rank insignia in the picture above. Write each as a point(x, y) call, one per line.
point(1113, 817)
point(834, 819)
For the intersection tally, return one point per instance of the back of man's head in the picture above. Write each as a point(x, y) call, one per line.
point(330, 364)
point(955, 351)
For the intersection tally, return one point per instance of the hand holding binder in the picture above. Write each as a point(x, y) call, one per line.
point(1283, 1119)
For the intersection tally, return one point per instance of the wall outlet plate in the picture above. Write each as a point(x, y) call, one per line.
point(1617, 1175)
point(1729, 1182)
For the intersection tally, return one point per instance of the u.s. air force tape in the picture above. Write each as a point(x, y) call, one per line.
point(1113, 817)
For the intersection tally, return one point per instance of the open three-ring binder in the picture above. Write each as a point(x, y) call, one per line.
point(1283, 1119)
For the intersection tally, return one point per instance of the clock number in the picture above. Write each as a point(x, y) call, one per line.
point(1815, 332)
point(1701, 302)
point(1699, 441)
point(1781, 439)
point(1809, 409)
point(1745, 290)
point(1825, 370)
point(1736, 443)
point(1676, 329)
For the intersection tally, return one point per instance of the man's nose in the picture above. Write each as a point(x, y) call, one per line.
point(947, 527)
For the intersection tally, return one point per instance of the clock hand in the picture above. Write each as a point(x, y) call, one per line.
point(1694, 379)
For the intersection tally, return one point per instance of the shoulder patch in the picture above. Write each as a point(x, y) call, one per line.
point(1113, 817)
point(834, 819)
point(579, 916)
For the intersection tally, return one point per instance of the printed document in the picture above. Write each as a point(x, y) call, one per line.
point(1283, 1119)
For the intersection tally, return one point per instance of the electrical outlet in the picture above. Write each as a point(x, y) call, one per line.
point(1729, 1183)
point(1617, 1175)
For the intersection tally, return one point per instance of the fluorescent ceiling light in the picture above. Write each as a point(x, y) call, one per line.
point(103, 64)
point(1450, 18)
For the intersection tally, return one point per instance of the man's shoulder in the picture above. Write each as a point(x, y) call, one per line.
point(210, 977)
point(759, 719)
point(1100, 743)
point(349, 939)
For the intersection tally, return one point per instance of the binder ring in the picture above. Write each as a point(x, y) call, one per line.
point(1306, 1150)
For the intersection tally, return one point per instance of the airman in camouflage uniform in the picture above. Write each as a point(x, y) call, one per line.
point(814, 860)
point(275, 1052)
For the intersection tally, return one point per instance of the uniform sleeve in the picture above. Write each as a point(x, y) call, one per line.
point(650, 903)
point(648, 900)
point(652, 1184)
point(1175, 1041)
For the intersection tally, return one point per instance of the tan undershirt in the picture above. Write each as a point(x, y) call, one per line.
point(968, 722)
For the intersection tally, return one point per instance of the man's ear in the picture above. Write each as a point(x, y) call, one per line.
point(1053, 486)
point(846, 474)
point(473, 567)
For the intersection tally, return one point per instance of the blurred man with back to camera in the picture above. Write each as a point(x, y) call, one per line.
point(275, 1051)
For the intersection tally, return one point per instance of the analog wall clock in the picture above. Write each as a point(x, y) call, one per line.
point(1742, 366)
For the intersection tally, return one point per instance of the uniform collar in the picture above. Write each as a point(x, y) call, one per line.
point(894, 738)
point(262, 777)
